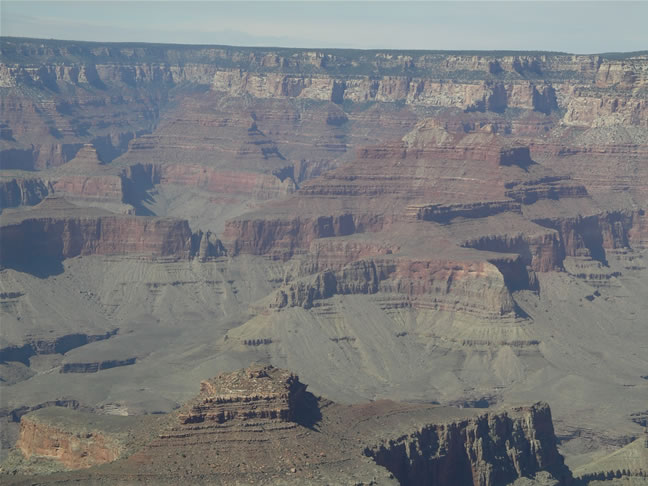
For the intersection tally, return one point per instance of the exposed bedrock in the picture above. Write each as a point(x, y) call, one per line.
point(22, 191)
point(581, 236)
point(335, 253)
point(257, 185)
point(108, 188)
point(96, 366)
point(107, 96)
point(61, 237)
point(593, 235)
point(56, 345)
point(478, 288)
point(548, 187)
point(73, 439)
point(444, 213)
point(266, 416)
point(72, 451)
point(429, 140)
point(38, 239)
point(471, 96)
point(542, 252)
point(488, 450)
point(48, 130)
point(205, 246)
point(281, 238)
point(259, 392)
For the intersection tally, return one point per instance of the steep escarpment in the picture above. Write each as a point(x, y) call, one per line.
point(85, 84)
point(256, 425)
point(467, 228)
point(593, 235)
point(58, 230)
point(284, 237)
point(61, 238)
point(22, 191)
point(50, 345)
point(487, 450)
point(451, 286)
point(543, 252)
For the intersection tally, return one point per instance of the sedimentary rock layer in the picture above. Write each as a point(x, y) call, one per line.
point(492, 449)
point(260, 425)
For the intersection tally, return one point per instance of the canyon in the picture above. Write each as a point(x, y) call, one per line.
point(241, 417)
point(463, 228)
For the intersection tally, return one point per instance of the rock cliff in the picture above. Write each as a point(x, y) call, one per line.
point(587, 91)
point(466, 227)
point(58, 230)
point(487, 450)
point(259, 425)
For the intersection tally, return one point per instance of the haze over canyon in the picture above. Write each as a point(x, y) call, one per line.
point(449, 248)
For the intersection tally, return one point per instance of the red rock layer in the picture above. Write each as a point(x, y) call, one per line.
point(255, 185)
point(66, 237)
point(74, 451)
point(477, 288)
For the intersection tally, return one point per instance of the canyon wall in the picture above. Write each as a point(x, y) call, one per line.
point(69, 237)
point(57, 230)
point(86, 84)
point(488, 450)
point(265, 415)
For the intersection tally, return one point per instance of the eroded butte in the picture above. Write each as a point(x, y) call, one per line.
point(461, 228)
point(260, 426)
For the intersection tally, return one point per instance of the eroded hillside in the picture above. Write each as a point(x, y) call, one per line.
point(465, 228)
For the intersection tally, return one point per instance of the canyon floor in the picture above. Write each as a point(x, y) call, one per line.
point(434, 229)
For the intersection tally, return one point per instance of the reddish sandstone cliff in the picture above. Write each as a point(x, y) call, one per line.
point(74, 451)
point(107, 235)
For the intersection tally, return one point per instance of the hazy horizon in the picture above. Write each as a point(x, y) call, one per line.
point(579, 27)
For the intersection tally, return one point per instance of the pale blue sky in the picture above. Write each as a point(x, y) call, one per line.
point(579, 26)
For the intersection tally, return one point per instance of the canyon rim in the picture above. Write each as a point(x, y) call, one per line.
point(448, 247)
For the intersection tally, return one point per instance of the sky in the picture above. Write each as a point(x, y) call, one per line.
point(582, 27)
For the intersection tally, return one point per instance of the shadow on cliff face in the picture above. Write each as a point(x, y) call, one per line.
point(41, 267)
point(136, 193)
point(307, 411)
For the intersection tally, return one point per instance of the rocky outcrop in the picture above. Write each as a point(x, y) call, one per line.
point(470, 96)
point(205, 246)
point(62, 237)
point(258, 186)
point(260, 424)
point(282, 238)
point(96, 188)
point(22, 191)
point(444, 213)
point(548, 187)
point(491, 449)
point(72, 451)
point(86, 88)
point(593, 235)
point(96, 366)
point(54, 345)
point(478, 289)
point(257, 393)
point(58, 230)
point(72, 440)
point(542, 252)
